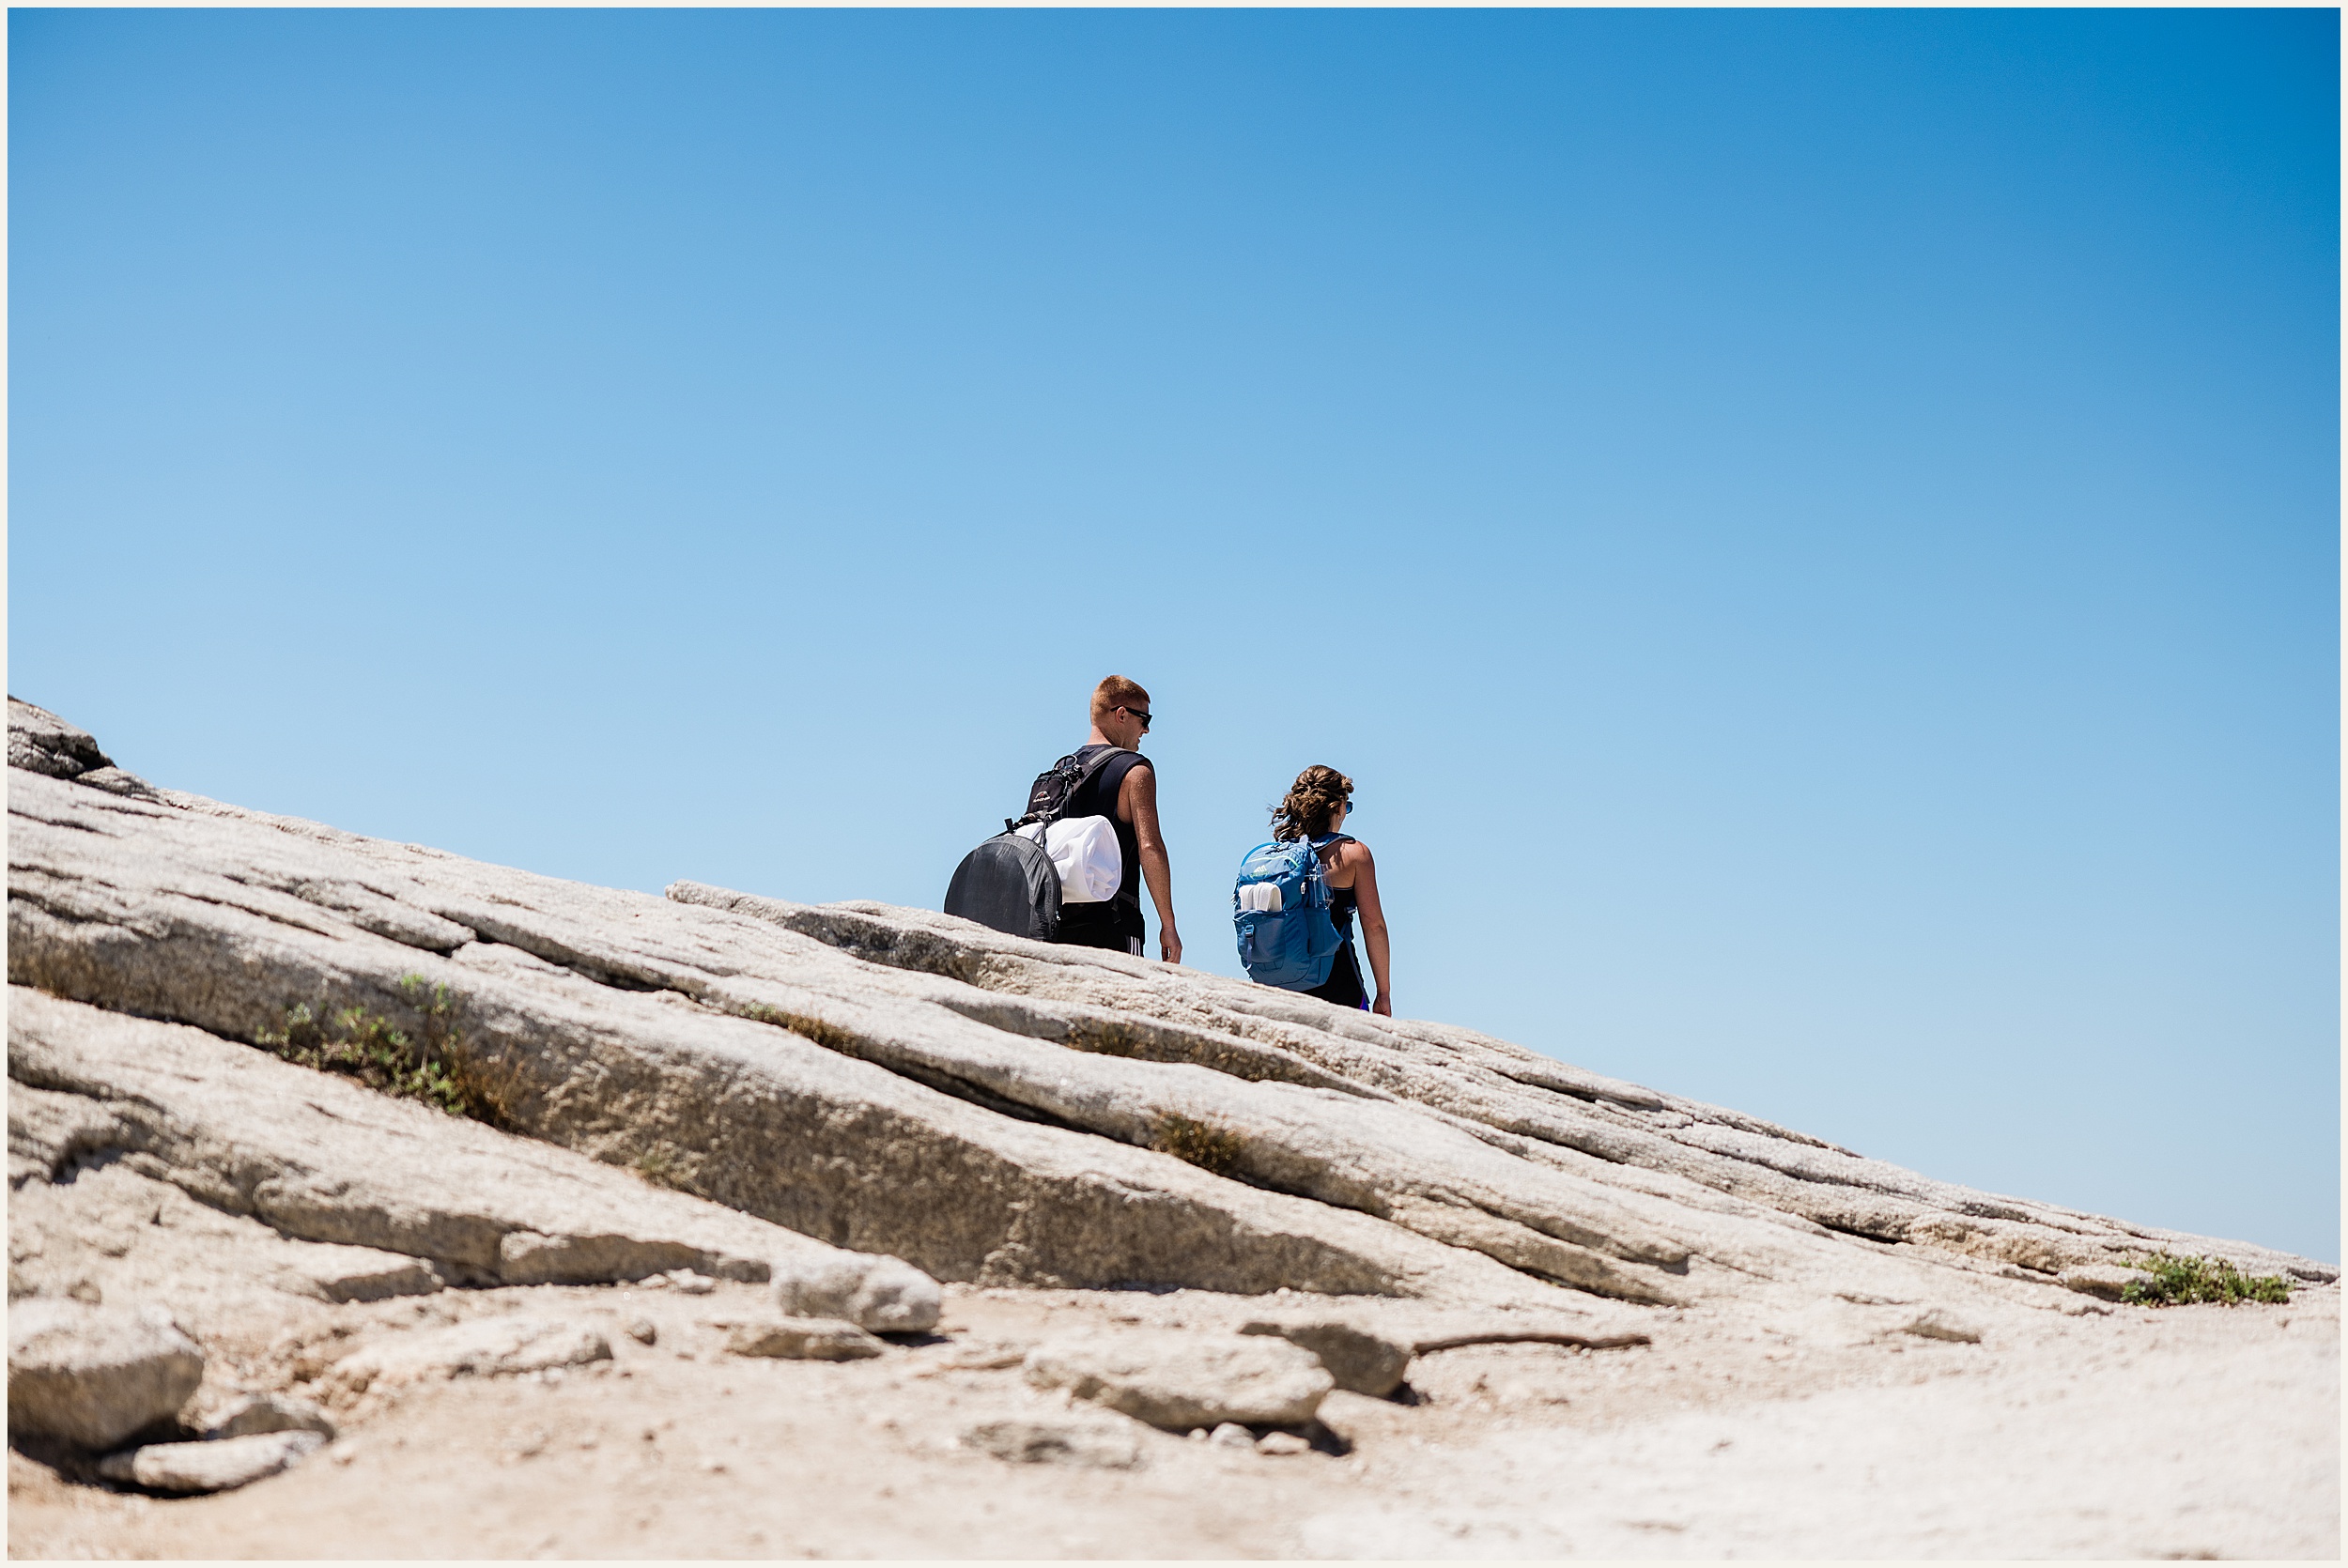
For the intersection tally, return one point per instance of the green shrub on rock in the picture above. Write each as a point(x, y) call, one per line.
point(362, 1045)
point(2177, 1280)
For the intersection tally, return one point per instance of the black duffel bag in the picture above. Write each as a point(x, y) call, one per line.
point(1008, 883)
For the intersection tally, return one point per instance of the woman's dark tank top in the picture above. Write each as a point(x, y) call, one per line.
point(1344, 985)
point(1343, 901)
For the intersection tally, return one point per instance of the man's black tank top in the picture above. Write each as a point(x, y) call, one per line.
point(1097, 797)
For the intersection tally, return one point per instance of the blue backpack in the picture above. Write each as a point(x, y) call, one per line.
point(1281, 907)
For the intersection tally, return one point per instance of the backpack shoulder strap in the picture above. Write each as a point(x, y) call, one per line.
point(1111, 755)
point(1328, 844)
point(1084, 776)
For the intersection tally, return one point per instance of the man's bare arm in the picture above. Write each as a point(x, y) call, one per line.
point(1137, 803)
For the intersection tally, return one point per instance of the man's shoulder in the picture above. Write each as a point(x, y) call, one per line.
point(1123, 773)
point(1121, 759)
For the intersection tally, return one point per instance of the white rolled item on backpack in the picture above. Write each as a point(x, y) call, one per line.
point(1084, 852)
point(1261, 898)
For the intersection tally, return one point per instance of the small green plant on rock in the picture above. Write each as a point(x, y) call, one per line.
point(1209, 1147)
point(656, 1167)
point(2176, 1281)
point(358, 1044)
point(438, 1010)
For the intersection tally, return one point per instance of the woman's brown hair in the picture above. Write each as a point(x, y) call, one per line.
point(1312, 800)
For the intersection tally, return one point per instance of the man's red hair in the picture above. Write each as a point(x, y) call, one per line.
point(1118, 692)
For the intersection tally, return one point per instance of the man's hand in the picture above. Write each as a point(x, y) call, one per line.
point(1169, 946)
point(1383, 1007)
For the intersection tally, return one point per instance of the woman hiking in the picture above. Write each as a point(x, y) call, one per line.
point(1315, 809)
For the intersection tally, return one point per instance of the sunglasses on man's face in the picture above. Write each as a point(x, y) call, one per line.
point(1137, 714)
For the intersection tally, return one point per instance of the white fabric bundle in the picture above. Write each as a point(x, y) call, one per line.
point(1084, 852)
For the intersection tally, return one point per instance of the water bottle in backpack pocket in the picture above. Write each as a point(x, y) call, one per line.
point(1281, 907)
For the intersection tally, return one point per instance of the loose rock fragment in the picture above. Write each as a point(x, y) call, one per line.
point(210, 1467)
point(1282, 1444)
point(366, 1273)
point(1178, 1380)
point(1361, 1360)
point(1095, 1444)
point(982, 1355)
point(882, 1293)
point(255, 1414)
point(593, 1257)
point(803, 1339)
point(1231, 1434)
point(1937, 1323)
point(92, 1375)
point(492, 1347)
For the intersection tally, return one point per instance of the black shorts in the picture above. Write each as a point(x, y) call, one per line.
point(1110, 925)
point(1344, 984)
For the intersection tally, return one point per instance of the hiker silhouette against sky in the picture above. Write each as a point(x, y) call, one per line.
point(1315, 808)
point(1124, 790)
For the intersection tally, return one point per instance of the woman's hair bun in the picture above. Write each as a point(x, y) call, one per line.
point(1311, 801)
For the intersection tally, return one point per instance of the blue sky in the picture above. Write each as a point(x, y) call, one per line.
point(1814, 532)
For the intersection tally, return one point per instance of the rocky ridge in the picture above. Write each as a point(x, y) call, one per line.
point(837, 1108)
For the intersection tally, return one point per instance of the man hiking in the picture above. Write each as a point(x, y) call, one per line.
point(1071, 869)
point(1124, 790)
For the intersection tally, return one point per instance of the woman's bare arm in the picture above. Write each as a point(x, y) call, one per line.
point(1373, 925)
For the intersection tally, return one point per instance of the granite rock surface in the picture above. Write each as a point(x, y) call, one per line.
point(733, 1101)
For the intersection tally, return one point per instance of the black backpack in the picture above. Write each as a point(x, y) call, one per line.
point(1008, 883)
